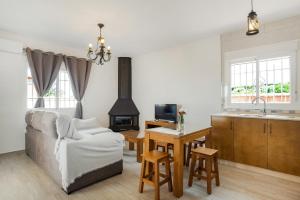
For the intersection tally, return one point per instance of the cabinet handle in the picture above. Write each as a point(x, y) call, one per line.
point(231, 125)
point(264, 127)
point(270, 129)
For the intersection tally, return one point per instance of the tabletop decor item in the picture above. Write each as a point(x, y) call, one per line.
point(180, 124)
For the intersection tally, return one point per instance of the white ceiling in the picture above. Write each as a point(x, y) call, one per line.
point(134, 26)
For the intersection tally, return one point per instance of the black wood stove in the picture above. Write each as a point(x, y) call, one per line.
point(124, 115)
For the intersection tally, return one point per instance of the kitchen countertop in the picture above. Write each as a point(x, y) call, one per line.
point(260, 116)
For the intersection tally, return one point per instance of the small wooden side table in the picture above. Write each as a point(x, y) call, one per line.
point(133, 136)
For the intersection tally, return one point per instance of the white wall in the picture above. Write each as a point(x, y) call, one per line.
point(270, 33)
point(189, 75)
point(12, 106)
point(102, 91)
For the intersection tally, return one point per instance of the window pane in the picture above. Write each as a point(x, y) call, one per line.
point(276, 88)
point(243, 76)
point(65, 94)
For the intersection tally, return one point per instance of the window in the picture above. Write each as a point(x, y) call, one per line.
point(60, 94)
point(243, 78)
point(275, 80)
point(268, 78)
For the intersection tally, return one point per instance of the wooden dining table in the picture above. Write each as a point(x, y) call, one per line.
point(178, 139)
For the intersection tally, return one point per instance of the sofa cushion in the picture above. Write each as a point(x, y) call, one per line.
point(78, 126)
point(81, 124)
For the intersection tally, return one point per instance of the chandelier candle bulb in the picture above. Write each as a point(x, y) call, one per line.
point(90, 49)
point(102, 41)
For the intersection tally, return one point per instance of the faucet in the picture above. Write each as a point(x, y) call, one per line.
point(256, 98)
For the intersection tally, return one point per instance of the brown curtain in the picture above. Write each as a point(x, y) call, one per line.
point(79, 70)
point(44, 67)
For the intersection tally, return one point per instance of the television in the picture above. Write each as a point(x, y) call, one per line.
point(166, 112)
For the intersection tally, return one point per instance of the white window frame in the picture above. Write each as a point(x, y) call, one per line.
point(264, 52)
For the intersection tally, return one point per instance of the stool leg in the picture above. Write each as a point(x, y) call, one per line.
point(208, 166)
point(156, 180)
point(168, 149)
point(131, 146)
point(143, 169)
point(189, 154)
point(200, 168)
point(195, 145)
point(139, 151)
point(192, 170)
point(216, 169)
point(168, 172)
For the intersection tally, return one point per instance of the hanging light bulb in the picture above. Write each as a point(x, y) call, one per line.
point(101, 40)
point(253, 24)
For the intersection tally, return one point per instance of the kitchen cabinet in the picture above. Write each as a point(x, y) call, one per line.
point(222, 136)
point(251, 141)
point(284, 146)
point(268, 143)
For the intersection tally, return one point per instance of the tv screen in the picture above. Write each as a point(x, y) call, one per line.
point(166, 112)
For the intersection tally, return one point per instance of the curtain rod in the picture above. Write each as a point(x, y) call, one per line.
point(24, 51)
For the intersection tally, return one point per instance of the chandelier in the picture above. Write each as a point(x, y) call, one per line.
point(101, 54)
point(253, 24)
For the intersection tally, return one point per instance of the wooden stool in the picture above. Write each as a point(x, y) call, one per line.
point(166, 147)
point(134, 136)
point(196, 143)
point(153, 178)
point(211, 161)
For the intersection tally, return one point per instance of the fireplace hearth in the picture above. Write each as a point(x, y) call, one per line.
point(122, 123)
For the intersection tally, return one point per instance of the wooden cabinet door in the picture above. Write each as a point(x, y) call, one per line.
point(284, 146)
point(250, 141)
point(222, 136)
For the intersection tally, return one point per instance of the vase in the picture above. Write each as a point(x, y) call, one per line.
point(180, 124)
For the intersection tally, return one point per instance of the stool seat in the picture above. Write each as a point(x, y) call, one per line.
point(205, 151)
point(154, 156)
